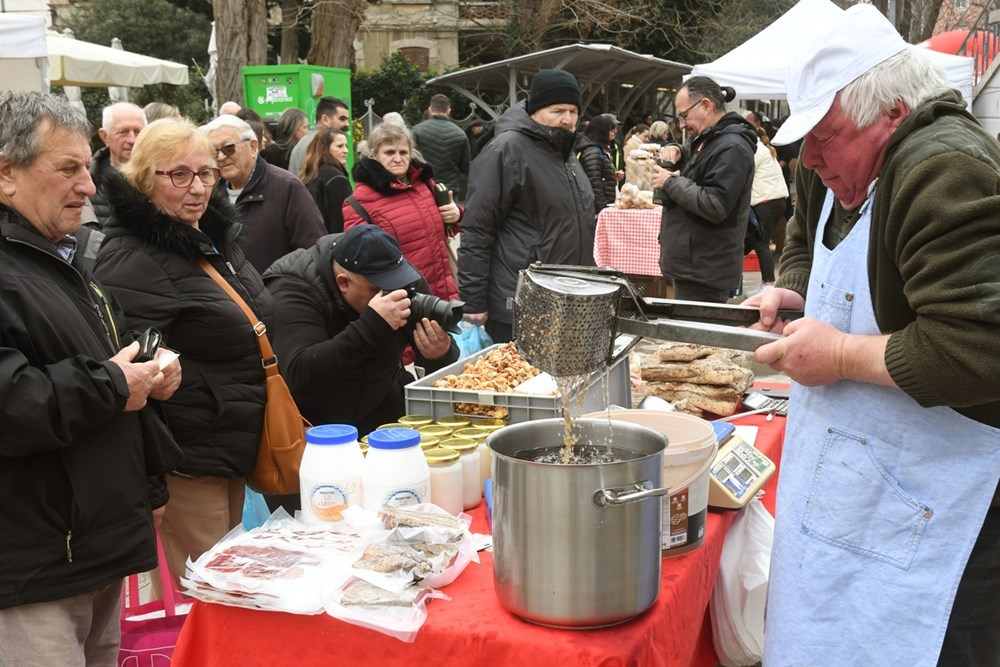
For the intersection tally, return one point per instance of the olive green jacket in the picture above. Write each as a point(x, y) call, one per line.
point(933, 258)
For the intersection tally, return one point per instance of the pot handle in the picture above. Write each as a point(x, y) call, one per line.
point(626, 494)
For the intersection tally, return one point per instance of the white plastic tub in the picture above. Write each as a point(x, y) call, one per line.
point(687, 462)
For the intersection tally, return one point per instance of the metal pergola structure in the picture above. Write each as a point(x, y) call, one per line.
point(626, 78)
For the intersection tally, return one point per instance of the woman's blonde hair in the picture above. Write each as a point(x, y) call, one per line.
point(659, 130)
point(160, 142)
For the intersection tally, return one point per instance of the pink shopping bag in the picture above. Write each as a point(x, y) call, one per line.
point(149, 631)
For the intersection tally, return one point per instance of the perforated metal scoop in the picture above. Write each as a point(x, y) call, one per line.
point(564, 324)
point(566, 318)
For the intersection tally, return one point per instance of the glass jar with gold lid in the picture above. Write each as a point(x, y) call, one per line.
point(416, 421)
point(392, 425)
point(454, 422)
point(476, 434)
point(435, 431)
point(472, 485)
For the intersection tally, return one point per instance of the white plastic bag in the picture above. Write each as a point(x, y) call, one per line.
point(740, 592)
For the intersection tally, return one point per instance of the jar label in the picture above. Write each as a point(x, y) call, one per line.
point(404, 497)
point(328, 501)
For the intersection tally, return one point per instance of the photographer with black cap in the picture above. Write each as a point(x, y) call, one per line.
point(342, 320)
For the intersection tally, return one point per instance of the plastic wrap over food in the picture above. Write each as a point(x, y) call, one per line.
point(397, 614)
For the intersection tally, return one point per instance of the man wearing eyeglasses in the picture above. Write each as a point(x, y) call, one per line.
point(279, 214)
point(121, 123)
point(706, 194)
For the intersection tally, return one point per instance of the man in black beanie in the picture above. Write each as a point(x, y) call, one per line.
point(529, 200)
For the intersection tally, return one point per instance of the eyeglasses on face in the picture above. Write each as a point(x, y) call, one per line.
point(183, 178)
point(230, 149)
point(683, 115)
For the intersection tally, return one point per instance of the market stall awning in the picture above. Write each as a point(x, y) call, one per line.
point(626, 77)
point(73, 62)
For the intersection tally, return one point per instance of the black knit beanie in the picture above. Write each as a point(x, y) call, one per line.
point(553, 86)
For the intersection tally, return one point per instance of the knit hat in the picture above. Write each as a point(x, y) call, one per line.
point(373, 253)
point(858, 40)
point(553, 86)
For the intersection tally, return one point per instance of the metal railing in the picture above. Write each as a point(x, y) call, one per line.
point(983, 41)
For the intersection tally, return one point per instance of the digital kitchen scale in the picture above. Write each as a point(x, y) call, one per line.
point(737, 473)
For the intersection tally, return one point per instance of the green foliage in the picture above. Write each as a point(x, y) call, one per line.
point(395, 85)
point(157, 28)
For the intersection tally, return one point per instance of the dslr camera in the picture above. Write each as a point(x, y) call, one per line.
point(446, 313)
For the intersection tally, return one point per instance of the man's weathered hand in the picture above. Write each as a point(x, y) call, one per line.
point(769, 303)
point(670, 154)
point(812, 352)
point(660, 176)
point(141, 378)
point(393, 307)
point(171, 377)
point(432, 341)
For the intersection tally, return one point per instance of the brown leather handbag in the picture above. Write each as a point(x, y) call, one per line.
point(283, 438)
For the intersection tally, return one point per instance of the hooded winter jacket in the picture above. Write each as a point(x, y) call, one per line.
point(73, 487)
point(706, 208)
point(341, 367)
point(529, 201)
point(408, 212)
point(150, 263)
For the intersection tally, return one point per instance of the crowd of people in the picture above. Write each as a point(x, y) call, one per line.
point(890, 252)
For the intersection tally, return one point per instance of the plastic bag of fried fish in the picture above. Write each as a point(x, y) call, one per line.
point(425, 548)
point(281, 566)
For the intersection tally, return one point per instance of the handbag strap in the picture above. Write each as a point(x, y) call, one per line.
point(268, 359)
point(356, 205)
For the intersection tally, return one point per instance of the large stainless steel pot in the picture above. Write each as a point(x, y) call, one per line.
point(577, 545)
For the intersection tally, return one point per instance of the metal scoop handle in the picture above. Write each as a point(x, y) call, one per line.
point(699, 333)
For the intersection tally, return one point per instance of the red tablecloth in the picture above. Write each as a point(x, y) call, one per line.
point(473, 629)
point(628, 240)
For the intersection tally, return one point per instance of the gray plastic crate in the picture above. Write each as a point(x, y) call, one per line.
point(423, 398)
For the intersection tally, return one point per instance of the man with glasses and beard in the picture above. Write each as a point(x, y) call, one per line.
point(706, 194)
point(279, 214)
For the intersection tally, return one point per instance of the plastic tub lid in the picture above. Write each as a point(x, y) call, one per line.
point(689, 438)
point(331, 434)
point(394, 438)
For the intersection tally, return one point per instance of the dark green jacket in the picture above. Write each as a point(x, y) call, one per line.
point(933, 258)
point(445, 147)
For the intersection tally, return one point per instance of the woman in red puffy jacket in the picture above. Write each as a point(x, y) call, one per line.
point(395, 191)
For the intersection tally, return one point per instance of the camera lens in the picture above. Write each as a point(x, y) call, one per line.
point(446, 313)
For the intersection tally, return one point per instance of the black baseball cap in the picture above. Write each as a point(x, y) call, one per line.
point(372, 252)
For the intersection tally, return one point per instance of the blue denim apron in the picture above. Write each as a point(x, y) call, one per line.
point(879, 502)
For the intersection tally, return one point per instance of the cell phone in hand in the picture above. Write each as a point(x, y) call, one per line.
point(149, 343)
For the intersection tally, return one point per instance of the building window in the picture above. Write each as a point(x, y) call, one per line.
point(420, 56)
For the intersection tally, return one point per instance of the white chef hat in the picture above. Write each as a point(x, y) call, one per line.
point(857, 41)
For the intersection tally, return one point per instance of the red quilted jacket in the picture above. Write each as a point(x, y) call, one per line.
point(409, 213)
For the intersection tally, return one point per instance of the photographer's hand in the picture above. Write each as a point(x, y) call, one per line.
point(432, 341)
point(393, 307)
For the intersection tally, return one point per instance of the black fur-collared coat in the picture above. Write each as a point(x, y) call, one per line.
point(150, 263)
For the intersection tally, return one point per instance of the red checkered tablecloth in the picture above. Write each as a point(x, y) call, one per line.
point(628, 240)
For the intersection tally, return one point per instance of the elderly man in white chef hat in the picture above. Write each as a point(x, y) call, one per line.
point(887, 533)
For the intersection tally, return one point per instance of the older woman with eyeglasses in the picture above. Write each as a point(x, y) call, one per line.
point(165, 219)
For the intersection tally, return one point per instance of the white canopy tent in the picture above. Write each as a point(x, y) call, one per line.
point(756, 69)
point(76, 63)
point(22, 52)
